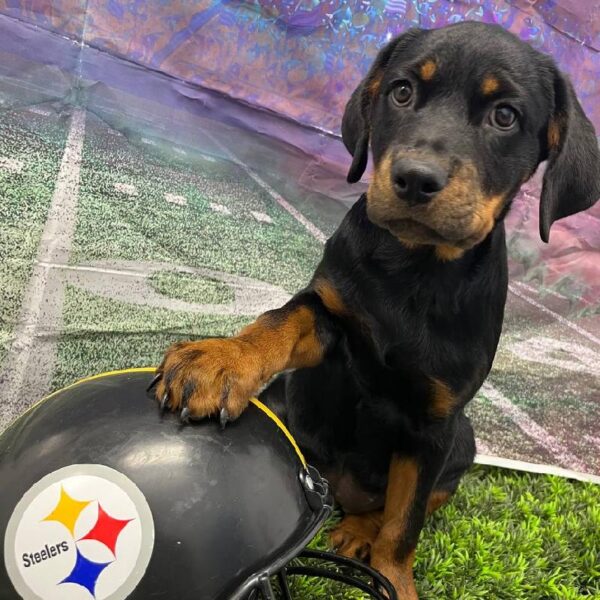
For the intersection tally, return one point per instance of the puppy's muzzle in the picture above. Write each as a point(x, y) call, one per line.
point(417, 181)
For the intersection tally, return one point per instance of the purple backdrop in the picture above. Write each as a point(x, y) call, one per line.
point(302, 59)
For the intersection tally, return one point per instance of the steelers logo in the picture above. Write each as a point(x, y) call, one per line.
point(84, 532)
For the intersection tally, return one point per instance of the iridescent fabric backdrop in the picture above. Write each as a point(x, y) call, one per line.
point(303, 58)
point(268, 80)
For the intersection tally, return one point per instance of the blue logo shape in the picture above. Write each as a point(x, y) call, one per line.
point(85, 573)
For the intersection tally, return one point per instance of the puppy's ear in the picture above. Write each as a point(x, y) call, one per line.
point(572, 179)
point(355, 130)
point(356, 122)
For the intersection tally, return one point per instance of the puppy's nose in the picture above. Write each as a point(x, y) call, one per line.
point(417, 181)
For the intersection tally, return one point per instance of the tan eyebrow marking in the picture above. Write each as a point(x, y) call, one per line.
point(428, 69)
point(490, 85)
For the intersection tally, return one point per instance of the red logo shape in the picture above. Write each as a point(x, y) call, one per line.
point(106, 530)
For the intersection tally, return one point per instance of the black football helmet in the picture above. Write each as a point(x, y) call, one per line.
point(105, 498)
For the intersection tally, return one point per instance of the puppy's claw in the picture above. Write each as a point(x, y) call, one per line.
point(224, 417)
point(185, 415)
point(164, 401)
point(154, 381)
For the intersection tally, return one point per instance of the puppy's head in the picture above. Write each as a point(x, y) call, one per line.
point(457, 120)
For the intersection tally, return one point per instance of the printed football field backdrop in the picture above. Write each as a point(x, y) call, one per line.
point(113, 247)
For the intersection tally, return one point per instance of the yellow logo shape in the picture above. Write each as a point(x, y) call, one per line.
point(67, 511)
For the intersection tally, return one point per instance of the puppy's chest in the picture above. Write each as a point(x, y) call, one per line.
point(410, 326)
point(403, 348)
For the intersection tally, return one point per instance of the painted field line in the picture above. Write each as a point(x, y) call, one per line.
point(44, 293)
point(39, 111)
point(536, 291)
point(261, 217)
point(55, 243)
point(545, 290)
point(126, 188)
point(219, 208)
point(143, 272)
point(308, 225)
point(583, 332)
point(12, 165)
point(175, 199)
point(89, 269)
point(530, 428)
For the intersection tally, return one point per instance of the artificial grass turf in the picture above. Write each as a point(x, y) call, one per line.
point(506, 536)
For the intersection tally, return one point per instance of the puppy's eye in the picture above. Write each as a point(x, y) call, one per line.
point(503, 117)
point(402, 93)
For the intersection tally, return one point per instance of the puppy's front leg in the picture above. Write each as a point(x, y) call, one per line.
point(221, 375)
point(408, 495)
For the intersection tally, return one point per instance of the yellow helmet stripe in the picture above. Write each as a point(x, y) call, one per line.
point(265, 409)
point(281, 426)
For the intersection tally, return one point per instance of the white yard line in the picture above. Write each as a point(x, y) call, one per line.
point(39, 111)
point(29, 365)
point(310, 227)
point(583, 332)
point(55, 244)
point(143, 270)
point(12, 165)
point(175, 199)
point(261, 217)
point(129, 282)
point(126, 188)
point(220, 208)
point(545, 290)
point(536, 291)
point(529, 427)
point(90, 269)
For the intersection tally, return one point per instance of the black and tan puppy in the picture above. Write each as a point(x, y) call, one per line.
point(398, 328)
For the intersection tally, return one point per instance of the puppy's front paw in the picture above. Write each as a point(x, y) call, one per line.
point(216, 376)
point(355, 535)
